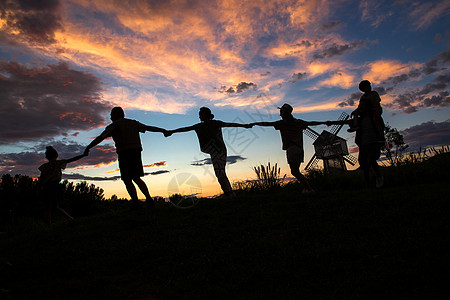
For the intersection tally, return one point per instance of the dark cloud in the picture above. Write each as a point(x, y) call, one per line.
point(351, 100)
point(331, 25)
point(207, 161)
point(336, 50)
point(441, 100)
point(44, 101)
point(427, 134)
point(77, 176)
point(239, 88)
point(445, 56)
point(434, 65)
point(410, 102)
point(296, 77)
point(28, 161)
point(32, 21)
point(158, 172)
point(265, 74)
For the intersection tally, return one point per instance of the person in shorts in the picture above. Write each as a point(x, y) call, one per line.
point(49, 179)
point(209, 133)
point(125, 133)
point(291, 130)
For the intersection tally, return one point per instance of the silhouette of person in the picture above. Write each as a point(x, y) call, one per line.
point(291, 131)
point(51, 173)
point(209, 133)
point(369, 131)
point(125, 133)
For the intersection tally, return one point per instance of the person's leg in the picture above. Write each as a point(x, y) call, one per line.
point(144, 189)
point(363, 159)
point(219, 163)
point(295, 171)
point(373, 157)
point(48, 214)
point(131, 189)
point(63, 212)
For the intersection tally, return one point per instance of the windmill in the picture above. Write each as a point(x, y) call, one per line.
point(330, 148)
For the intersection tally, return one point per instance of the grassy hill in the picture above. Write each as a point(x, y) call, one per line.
point(391, 243)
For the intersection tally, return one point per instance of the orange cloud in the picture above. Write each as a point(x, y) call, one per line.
point(176, 52)
point(383, 69)
point(340, 79)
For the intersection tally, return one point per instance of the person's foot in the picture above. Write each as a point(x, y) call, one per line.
point(150, 203)
point(379, 181)
point(229, 195)
point(305, 191)
point(135, 205)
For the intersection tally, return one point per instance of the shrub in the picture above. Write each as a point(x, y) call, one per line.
point(268, 179)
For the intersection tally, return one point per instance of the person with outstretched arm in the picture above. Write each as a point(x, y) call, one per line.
point(125, 133)
point(209, 133)
point(51, 174)
point(291, 130)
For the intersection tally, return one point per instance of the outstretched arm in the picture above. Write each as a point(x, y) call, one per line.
point(263, 123)
point(154, 129)
point(94, 143)
point(75, 158)
point(314, 123)
point(237, 125)
point(181, 129)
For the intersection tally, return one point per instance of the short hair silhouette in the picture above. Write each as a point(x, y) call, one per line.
point(118, 112)
point(50, 152)
point(363, 84)
point(206, 112)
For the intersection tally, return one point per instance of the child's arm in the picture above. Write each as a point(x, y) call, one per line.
point(75, 158)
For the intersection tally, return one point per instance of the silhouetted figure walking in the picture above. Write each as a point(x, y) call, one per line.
point(125, 133)
point(291, 130)
point(51, 174)
point(369, 131)
point(209, 133)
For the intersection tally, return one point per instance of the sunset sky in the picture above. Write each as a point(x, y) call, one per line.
point(64, 64)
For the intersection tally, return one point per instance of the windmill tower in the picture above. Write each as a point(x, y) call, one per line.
point(330, 148)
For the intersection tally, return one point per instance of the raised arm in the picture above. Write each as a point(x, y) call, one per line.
point(94, 143)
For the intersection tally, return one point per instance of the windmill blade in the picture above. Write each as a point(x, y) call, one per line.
point(312, 162)
point(336, 128)
point(350, 159)
point(311, 133)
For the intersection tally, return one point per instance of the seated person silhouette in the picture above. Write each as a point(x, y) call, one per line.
point(209, 133)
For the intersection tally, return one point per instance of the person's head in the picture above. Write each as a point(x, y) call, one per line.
point(117, 113)
point(286, 111)
point(205, 114)
point(50, 153)
point(364, 86)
